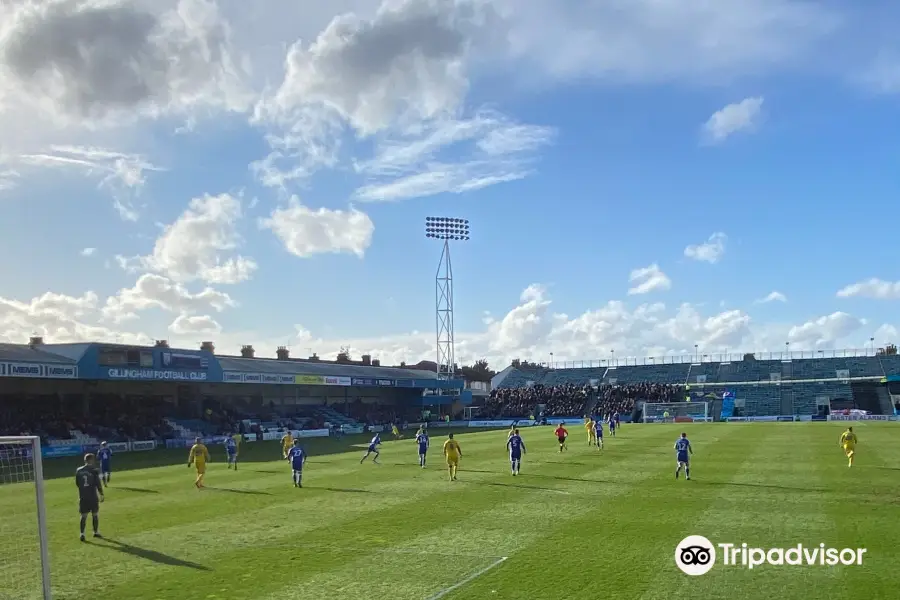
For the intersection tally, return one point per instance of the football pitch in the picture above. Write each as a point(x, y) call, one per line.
point(582, 524)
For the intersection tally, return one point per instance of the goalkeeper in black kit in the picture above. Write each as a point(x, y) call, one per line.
point(90, 494)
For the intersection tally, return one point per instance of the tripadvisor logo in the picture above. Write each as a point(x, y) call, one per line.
point(696, 555)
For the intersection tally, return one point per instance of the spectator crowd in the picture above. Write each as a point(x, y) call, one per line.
point(570, 400)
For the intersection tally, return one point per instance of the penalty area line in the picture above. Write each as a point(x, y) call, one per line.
point(468, 579)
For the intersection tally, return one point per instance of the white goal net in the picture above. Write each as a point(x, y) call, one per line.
point(676, 412)
point(24, 561)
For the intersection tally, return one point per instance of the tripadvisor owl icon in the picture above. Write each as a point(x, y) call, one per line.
point(695, 555)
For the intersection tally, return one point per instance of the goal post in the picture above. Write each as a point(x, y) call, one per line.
point(676, 412)
point(25, 565)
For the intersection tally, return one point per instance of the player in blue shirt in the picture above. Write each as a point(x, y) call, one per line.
point(598, 429)
point(516, 448)
point(612, 425)
point(683, 451)
point(297, 457)
point(423, 442)
point(372, 449)
point(104, 455)
point(231, 452)
point(618, 421)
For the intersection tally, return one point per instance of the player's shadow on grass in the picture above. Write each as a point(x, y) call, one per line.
point(521, 486)
point(345, 490)
point(237, 491)
point(151, 555)
point(765, 486)
point(136, 490)
point(267, 471)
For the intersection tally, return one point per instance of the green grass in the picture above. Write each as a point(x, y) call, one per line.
point(578, 525)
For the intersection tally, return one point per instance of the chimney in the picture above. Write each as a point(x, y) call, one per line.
point(314, 357)
point(161, 344)
point(283, 353)
point(366, 359)
point(36, 340)
point(376, 362)
point(208, 347)
point(247, 351)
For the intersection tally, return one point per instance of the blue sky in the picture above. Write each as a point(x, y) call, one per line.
point(640, 177)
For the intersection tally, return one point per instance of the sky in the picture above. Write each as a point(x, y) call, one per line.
point(641, 177)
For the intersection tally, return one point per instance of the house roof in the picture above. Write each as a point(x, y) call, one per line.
point(265, 365)
point(25, 353)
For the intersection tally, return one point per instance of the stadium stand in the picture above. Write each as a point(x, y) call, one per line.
point(800, 386)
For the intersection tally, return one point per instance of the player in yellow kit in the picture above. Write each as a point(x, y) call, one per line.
point(453, 453)
point(287, 442)
point(396, 431)
point(238, 438)
point(592, 433)
point(198, 457)
point(848, 443)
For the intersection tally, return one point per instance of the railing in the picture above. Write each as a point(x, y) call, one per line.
point(700, 358)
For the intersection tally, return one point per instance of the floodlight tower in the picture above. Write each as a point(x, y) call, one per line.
point(446, 229)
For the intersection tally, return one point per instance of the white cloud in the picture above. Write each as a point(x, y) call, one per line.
point(530, 329)
point(487, 149)
point(200, 245)
point(741, 116)
point(155, 291)
point(872, 288)
point(58, 318)
point(196, 325)
point(123, 174)
point(825, 331)
point(306, 232)
point(648, 279)
point(95, 62)
point(710, 251)
point(88, 251)
point(772, 297)
point(660, 41)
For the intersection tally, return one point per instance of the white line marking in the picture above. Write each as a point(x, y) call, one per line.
point(468, 579)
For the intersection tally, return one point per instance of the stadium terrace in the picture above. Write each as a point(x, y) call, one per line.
point(74, 395)
point(777, 387)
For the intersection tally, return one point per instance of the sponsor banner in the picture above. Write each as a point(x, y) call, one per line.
point(452, 423)
point(350, 430)
point(818, 418)
point(737, 419)
point(312, 433)
point(143, 445)
point(286, 379)
point(60, 371)
point(681, 419)
point(25, 370)
point(804, 418)
point(407, 383)
point(38, 370)
point(232, 377)
point(490, 423)
point(58, 451)
point(765, 419)
point(179, 443)
point(362, 382)
point(116, 447)
point(384, 382)
point(309, 379)
point(785, 419)
point(861, 418)
point(376, 428)
point(252, 378)
point(337, 381)
point(270, 378)
point(272, 435)
point(155, 374)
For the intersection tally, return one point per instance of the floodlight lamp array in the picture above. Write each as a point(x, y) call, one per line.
point(447, 228)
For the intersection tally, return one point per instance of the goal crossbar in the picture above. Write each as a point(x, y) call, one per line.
point(30, 448)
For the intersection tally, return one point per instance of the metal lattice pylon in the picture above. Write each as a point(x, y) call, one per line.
point(443, 308)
